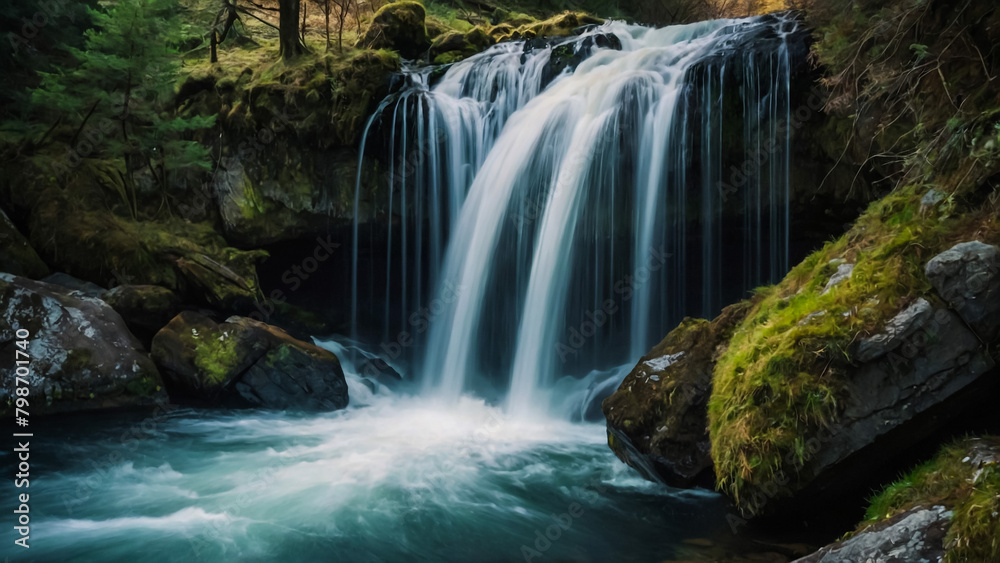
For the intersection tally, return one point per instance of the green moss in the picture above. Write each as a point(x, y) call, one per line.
point(143, 387)
point(782, 378)
point(216, 358)
point(948, 480)
point(449, 58)
point(561, 25)
point(358, 84)
point(277, 355)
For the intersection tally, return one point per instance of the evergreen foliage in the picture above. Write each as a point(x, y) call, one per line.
point(116, 91)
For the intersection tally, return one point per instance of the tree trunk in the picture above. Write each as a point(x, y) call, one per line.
point(288, 29)
point(326, 12)
point(340, 31)
point(305, 9)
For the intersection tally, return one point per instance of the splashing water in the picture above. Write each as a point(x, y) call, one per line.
point(567, 242)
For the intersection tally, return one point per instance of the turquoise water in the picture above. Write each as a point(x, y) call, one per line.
point(397, 479)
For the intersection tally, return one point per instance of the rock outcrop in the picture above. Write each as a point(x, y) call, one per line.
point(657, 420)
point(967, 276)
point(925, 356)
point(82, 356)
point(915, 535)
point(246, 363)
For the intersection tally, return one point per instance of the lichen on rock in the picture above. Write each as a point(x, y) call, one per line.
point(82, 357)
point(246, 363)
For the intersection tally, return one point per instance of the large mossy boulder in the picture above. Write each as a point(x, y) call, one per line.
point(657, 419)
point(398, 26)
point(17, 257)
point(246, 363)
point(945, 509)
point(82, 356)
point(834, 376)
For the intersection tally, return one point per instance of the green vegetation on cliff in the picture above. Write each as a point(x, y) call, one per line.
point(927, 116)
point(965, 478)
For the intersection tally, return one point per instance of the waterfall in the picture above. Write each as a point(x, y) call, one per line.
point(563, 203)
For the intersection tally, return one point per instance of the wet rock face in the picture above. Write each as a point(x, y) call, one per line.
point(925, 356)
point(82, 357)
point(657, 420)
point(967, 276)
point(915, 535)
point(84, 288)
point(400, 27)
point(246, 363)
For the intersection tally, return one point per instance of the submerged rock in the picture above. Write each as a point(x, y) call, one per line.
point(17, 257)
point(82, 357)
point(657, 420)
point(246, 363)
point(398, 26)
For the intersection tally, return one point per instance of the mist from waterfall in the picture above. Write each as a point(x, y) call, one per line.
point(543, 223)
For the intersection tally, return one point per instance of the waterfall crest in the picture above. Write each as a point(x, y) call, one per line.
point(551, 221)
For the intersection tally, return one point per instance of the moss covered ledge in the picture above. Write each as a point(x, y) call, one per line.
point(787, 373)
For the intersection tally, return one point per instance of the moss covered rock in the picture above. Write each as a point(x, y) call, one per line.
point(818, 371)
point(100, 246)
point(16, 255)
point(289, 134)
point(945, 509)
point(658, 420)
point(399, 26)
point(82, 356)
point(455, 46)
point(246, 363)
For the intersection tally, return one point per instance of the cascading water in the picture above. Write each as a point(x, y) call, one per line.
point(552, 207)
point(567, 239)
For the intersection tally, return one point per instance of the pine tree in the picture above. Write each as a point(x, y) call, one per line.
point(117, 94)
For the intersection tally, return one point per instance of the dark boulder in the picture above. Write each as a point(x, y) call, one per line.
point(82, 356)
point(246, 363)
point(399, 26)
point(657, 420)
point(967, 276)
